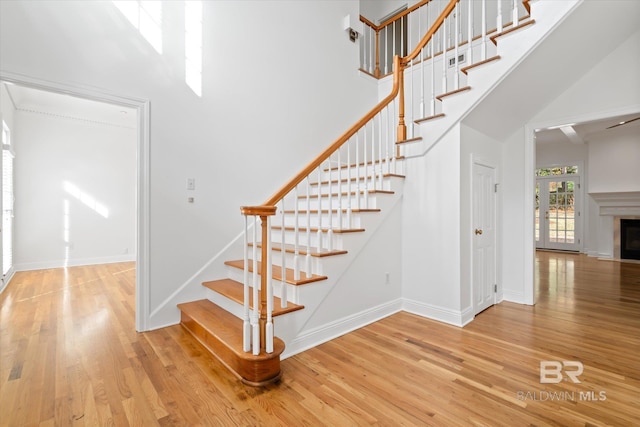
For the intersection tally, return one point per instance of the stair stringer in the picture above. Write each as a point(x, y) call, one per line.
point(356, 292)
point(314, 325)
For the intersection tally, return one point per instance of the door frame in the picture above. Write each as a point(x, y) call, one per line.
point(143, 173)
point(579, 201)
point(483, 162)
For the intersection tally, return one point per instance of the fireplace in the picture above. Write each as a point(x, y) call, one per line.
point(630, 239)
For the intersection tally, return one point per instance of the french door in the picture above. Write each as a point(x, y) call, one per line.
point(557, 213)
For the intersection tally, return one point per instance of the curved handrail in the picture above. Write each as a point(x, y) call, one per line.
point(435, 27)
point(273, 200)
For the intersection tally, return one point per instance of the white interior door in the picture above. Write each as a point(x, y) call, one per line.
point(557, 213)
point(484, 237)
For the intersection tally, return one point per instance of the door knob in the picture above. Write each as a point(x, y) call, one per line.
point(478, 231)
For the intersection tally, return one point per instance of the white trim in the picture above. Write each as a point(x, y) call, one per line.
point(62, 263)
point(4, 281)
point(441, 314)
point(142, 187)
point(327, 332)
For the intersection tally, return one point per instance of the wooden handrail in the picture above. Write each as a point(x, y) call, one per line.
point(273, 200)
point(436, 25)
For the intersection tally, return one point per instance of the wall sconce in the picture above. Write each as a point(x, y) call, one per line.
point(353, 27)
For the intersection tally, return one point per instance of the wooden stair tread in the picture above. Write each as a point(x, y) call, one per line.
point(409, 140)
point(494, 37)
point(303, 250)
point(362, 163)
point(220, 332)
point(345, 193)
point(477, 64)
point(324, 230)
point(277, 273)
point(425, 119)
point(335, 181)
point(453, 92)
point(235, 291)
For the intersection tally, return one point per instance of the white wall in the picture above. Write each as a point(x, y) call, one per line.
point(614, 159)
point(276, 77)
point(431, 232)
point(75, 185)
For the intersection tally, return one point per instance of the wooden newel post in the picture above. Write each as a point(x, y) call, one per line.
point(399, 72)
point(263, 212)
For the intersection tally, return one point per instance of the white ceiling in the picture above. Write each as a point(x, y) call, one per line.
point(70, 107)
point(583, 132)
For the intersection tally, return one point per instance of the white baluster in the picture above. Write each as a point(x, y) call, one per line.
point(515, 17)
point(349, 212)
point(358, 185)
point(499, 17)
point(307, 264)
point(269, 325)
point(394, 115)
point(246, 324)
point(411, 115)
point(319, 234)
point(373, 154)
point(470, 34)
point(339, 189)
point(283, 260)
point(444, 57)
point(366, 168)
point(380, 137)
point(456, 74)
point(422, 104)
point(483, 46)
point(296, 241)
point(386, 49)
point(393, 46)
point(256, 313)
point(433, 77)
point(372, 50)
point(330, 210)
point(389, 144)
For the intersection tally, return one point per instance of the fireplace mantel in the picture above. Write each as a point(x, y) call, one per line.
point(620, 203)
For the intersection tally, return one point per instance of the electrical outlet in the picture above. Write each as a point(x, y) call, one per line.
point(387, 278)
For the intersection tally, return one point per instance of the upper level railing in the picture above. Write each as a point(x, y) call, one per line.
point(318, 205)
point(395, 36)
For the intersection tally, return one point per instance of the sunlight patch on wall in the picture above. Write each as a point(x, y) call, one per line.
point(86, 199)
point(193, 45)
point(146, 17)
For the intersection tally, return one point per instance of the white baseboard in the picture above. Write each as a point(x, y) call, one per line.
point(511, 296)
point(43, 265)
point(314, 337)
point(441, 314)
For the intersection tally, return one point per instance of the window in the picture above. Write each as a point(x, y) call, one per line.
point(7, 200)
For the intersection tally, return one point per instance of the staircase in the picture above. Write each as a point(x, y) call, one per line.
point(299, 246)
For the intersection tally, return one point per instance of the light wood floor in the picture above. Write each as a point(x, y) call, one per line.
point(69, 355)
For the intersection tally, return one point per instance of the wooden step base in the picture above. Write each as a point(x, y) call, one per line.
point(220, 332)
point(277, 273)
point(235, 292)
point(303, 250)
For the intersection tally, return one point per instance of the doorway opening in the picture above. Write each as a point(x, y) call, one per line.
point(140, 109)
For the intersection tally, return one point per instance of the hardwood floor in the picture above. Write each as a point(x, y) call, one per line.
point(69, 355)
